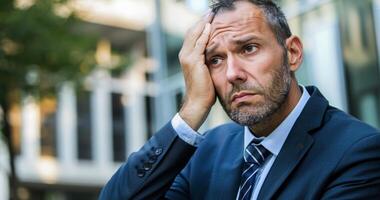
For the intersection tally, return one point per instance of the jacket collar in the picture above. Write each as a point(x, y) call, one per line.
point(297, 144)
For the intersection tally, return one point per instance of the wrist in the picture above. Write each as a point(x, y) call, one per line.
point(194, 114)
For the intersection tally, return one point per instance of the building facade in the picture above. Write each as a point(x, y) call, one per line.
point(70, 144)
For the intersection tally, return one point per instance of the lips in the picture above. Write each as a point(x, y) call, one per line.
point(240, 96)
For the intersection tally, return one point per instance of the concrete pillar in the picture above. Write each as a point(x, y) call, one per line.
point(66, 125)
point(101, 119)
point(136, 124)
point(30, 130)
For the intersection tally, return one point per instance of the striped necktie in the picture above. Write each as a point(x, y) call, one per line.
point(254, 156)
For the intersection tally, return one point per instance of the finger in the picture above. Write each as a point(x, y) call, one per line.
point(209, 16)
point(195, 32)
point(203, 39)
point(193, 35)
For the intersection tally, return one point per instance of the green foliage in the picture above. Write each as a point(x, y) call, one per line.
point(38, 47)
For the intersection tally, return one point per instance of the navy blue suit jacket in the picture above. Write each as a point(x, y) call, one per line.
point(327, 155)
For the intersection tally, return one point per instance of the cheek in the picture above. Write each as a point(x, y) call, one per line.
point(220, 82)
point(258, 73)
point(261, 68)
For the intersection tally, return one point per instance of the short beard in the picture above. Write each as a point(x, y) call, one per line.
point(274, 97)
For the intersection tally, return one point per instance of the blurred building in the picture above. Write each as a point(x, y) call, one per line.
point(70, 144)
point(341, 46)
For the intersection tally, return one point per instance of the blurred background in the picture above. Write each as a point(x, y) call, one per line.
point(83, 83)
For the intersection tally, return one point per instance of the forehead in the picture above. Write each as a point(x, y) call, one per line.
point(244, 17)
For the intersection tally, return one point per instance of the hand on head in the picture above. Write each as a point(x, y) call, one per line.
point(200, 92)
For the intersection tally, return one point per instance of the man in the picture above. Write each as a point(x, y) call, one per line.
point(287, 142)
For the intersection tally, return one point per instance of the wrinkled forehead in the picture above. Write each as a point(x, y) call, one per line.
point(242, 17)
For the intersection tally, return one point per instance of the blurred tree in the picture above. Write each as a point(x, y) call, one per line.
point(38, 51)
point(37, 44)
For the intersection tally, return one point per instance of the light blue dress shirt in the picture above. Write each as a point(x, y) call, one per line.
point(273, 142)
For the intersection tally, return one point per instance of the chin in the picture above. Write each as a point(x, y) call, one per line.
point(250, 115)
point(247, 117)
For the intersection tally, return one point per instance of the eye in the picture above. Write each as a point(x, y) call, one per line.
point(249, 48)
point(214, 61)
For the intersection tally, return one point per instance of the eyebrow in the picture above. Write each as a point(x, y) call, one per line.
point(211, 49)
point(238, 41)
point(244, 39)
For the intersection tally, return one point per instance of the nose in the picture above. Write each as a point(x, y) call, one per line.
point(235, 70)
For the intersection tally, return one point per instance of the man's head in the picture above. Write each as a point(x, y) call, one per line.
point(273, 14)
point(252, 58)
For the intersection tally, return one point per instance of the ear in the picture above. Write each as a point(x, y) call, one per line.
point(295, 52)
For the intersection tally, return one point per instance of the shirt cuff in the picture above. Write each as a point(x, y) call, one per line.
point(185, 132)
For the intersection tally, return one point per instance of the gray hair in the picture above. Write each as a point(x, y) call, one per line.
point(274, 16)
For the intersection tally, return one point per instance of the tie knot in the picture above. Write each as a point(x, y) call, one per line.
point(255, 154)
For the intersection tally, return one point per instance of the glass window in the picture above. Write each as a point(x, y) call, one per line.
point(149, 112)
point(118, 128)
point(173, 46)
point(48, 111)
point(84, 135)
point(360, 58)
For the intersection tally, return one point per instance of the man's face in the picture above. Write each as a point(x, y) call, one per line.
point(248, 67)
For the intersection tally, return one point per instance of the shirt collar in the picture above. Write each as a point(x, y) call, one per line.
point(274, 141)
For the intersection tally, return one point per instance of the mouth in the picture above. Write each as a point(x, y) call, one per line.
point(241, 97)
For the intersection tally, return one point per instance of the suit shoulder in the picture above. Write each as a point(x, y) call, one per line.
point(344, 125)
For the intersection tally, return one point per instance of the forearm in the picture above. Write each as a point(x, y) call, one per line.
point(149, 172)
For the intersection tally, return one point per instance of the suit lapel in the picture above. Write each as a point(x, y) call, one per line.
point(296, 145)
point(291, 154)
